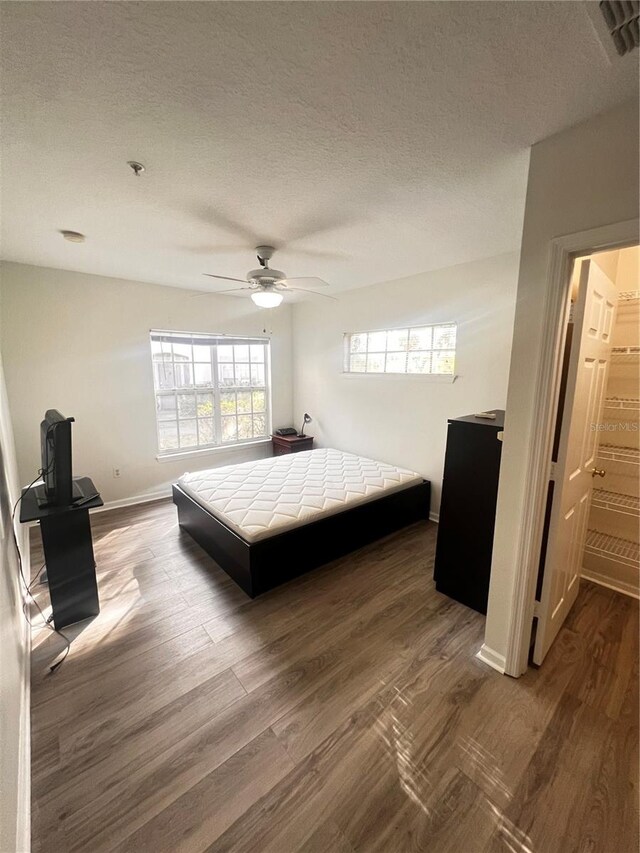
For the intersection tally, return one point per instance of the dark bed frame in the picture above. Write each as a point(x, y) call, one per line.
point(260, 566)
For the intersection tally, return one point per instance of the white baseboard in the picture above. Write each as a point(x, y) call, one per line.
point(166, 493)
point(492, 658)
point(163, 495)
point(136, 499)
point(23, 827)
point(133, 501)
point(23, 816)
point(611, 583)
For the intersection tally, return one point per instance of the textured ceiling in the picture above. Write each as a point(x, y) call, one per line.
point(368, 141)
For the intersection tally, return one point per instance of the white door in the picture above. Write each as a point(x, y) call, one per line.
point(594, 317)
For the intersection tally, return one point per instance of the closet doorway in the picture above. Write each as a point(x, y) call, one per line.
point(592, 514)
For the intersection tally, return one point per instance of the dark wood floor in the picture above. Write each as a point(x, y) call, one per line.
point(343, 712)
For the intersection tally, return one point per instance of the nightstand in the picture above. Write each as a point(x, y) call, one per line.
point(283, 444)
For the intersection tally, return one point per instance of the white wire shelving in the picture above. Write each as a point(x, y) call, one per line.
point(618, 453)
point(627, 404)
point(625, 355)
point(613, 548)
point(616, 502)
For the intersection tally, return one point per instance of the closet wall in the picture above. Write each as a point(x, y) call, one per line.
point(611, 554)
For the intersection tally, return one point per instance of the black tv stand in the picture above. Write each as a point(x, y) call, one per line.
point(68, 552)
point(78, 495)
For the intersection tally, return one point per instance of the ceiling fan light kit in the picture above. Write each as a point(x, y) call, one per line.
point(267, 298)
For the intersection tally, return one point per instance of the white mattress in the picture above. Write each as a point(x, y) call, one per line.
point(264, 498)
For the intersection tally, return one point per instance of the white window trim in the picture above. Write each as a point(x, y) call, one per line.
point(214, 450)
point(227, 445)
point(447, 378)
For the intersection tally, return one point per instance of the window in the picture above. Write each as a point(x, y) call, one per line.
point(419, 349)
point(210, 390)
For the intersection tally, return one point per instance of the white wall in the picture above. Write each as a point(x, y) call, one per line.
point(628, 269)
point(403, 419)
point(582, 178)
point(14, 656)
point(80, 343)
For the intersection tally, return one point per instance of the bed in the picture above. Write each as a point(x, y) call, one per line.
point(268, 521)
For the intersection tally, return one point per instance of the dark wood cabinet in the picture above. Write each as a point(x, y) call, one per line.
point(291, 443)
point(468, 509)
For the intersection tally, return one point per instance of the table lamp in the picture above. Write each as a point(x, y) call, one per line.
point(306, 419)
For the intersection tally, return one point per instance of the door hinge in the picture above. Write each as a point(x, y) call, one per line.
point(552, 471)
point(536, 609)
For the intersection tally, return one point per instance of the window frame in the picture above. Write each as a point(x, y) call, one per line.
point(214, 388)
point(437, 377)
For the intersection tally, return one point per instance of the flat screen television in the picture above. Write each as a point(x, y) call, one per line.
point(58, 488)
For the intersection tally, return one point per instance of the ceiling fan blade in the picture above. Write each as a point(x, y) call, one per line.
point(219, 292)
point(225, 277)
point(312, 292)
point(313, 281)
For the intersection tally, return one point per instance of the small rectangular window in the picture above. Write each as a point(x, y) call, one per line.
point(417, 349)
point(210, 390)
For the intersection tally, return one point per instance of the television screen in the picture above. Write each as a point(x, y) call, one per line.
point(55, 446)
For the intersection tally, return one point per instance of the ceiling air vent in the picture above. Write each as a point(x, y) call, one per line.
point(621, 17)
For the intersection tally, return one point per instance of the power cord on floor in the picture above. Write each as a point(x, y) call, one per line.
point(28, 586)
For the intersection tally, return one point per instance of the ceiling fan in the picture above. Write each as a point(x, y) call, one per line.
point(268, 285)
